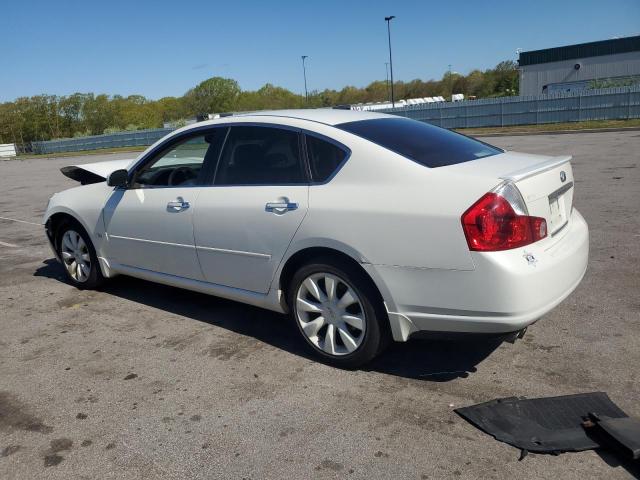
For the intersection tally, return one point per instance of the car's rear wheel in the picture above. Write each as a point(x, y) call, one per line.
point(337, 312)
point(78, 257)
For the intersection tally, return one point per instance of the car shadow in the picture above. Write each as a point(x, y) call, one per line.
point(440, 360)
point(429, 360)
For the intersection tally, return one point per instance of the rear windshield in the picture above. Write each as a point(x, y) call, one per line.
point(421, 142)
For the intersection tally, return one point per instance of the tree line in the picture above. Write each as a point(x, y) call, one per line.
point(45, 117)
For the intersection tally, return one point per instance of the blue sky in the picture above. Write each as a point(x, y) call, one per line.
point(159, 48)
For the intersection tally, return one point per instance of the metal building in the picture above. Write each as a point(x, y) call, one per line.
point(603, 64)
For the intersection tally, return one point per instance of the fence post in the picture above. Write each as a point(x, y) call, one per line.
point(501, 113)
point(579, 106)
point(629, 105)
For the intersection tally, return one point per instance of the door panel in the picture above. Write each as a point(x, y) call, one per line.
point(152, 228)
point(150, 225)
point(240, 240)
point(246, 220)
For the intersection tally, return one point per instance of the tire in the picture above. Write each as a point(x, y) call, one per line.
point(75, 247)
point(351, 343)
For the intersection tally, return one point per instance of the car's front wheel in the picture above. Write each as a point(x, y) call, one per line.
point(78, 257)
point(337, 313)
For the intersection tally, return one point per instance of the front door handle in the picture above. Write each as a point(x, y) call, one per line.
point(281, 206)
point(177, 205)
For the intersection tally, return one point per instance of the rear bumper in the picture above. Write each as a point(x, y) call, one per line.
point(506, 292)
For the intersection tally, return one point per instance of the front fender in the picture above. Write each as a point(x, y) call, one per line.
point(84, 204)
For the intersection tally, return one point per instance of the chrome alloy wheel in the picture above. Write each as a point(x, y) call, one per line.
point(330, 314)
point(75, 255)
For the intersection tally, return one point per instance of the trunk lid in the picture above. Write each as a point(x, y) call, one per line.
point(547, 190)
point(545, 182)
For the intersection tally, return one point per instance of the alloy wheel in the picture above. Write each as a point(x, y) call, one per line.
point(330, 314)
point(75, 255)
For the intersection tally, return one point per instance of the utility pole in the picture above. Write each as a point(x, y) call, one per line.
point(450, 82)
point(388, 20)
point(304, 73)
point(386, 69)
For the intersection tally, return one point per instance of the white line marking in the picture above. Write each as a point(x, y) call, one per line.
point(5, 244)
point(20, 221)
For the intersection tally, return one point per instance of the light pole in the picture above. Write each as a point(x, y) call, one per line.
point(388, 20)
point(386, 70)
point(304, 73)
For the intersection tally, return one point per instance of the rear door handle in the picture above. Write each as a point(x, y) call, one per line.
point(280, 207)
point(177, 205)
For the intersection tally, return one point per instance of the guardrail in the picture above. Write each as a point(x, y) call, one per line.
point(620, 103)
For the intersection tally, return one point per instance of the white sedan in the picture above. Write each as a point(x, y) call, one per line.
point(365, 227)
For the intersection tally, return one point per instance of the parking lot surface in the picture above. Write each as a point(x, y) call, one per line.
point(145, 381)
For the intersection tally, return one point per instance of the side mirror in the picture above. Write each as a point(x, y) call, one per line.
point(118, 178)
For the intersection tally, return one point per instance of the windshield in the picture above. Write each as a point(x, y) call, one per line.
point(421, 142)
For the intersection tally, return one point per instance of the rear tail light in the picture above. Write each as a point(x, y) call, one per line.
point(492, 223)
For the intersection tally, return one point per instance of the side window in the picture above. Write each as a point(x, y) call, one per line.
point(324, 158)
point(260, 156)
point(182, 163)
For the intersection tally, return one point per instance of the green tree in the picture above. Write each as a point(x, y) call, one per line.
point(98, 114)
point(171, 108)
point(506, 78)
point(214, 95)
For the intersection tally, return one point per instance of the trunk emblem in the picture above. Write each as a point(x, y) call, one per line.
point(563, 176)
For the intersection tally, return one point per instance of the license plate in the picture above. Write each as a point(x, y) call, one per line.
point(557, 217)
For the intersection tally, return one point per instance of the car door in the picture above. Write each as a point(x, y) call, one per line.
point(245, 221)
point(150, 224)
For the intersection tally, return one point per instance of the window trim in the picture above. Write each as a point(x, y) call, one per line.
point(301, 155)
point(346, 150)
point(165, 147)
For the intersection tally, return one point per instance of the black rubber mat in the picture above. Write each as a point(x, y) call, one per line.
point(542, 425)
point(619, 434)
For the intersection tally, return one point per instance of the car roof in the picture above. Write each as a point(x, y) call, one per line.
point(328, 116)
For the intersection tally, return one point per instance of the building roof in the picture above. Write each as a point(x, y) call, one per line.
point(581, 50)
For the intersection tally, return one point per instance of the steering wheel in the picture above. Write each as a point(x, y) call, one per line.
point(180, 175)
